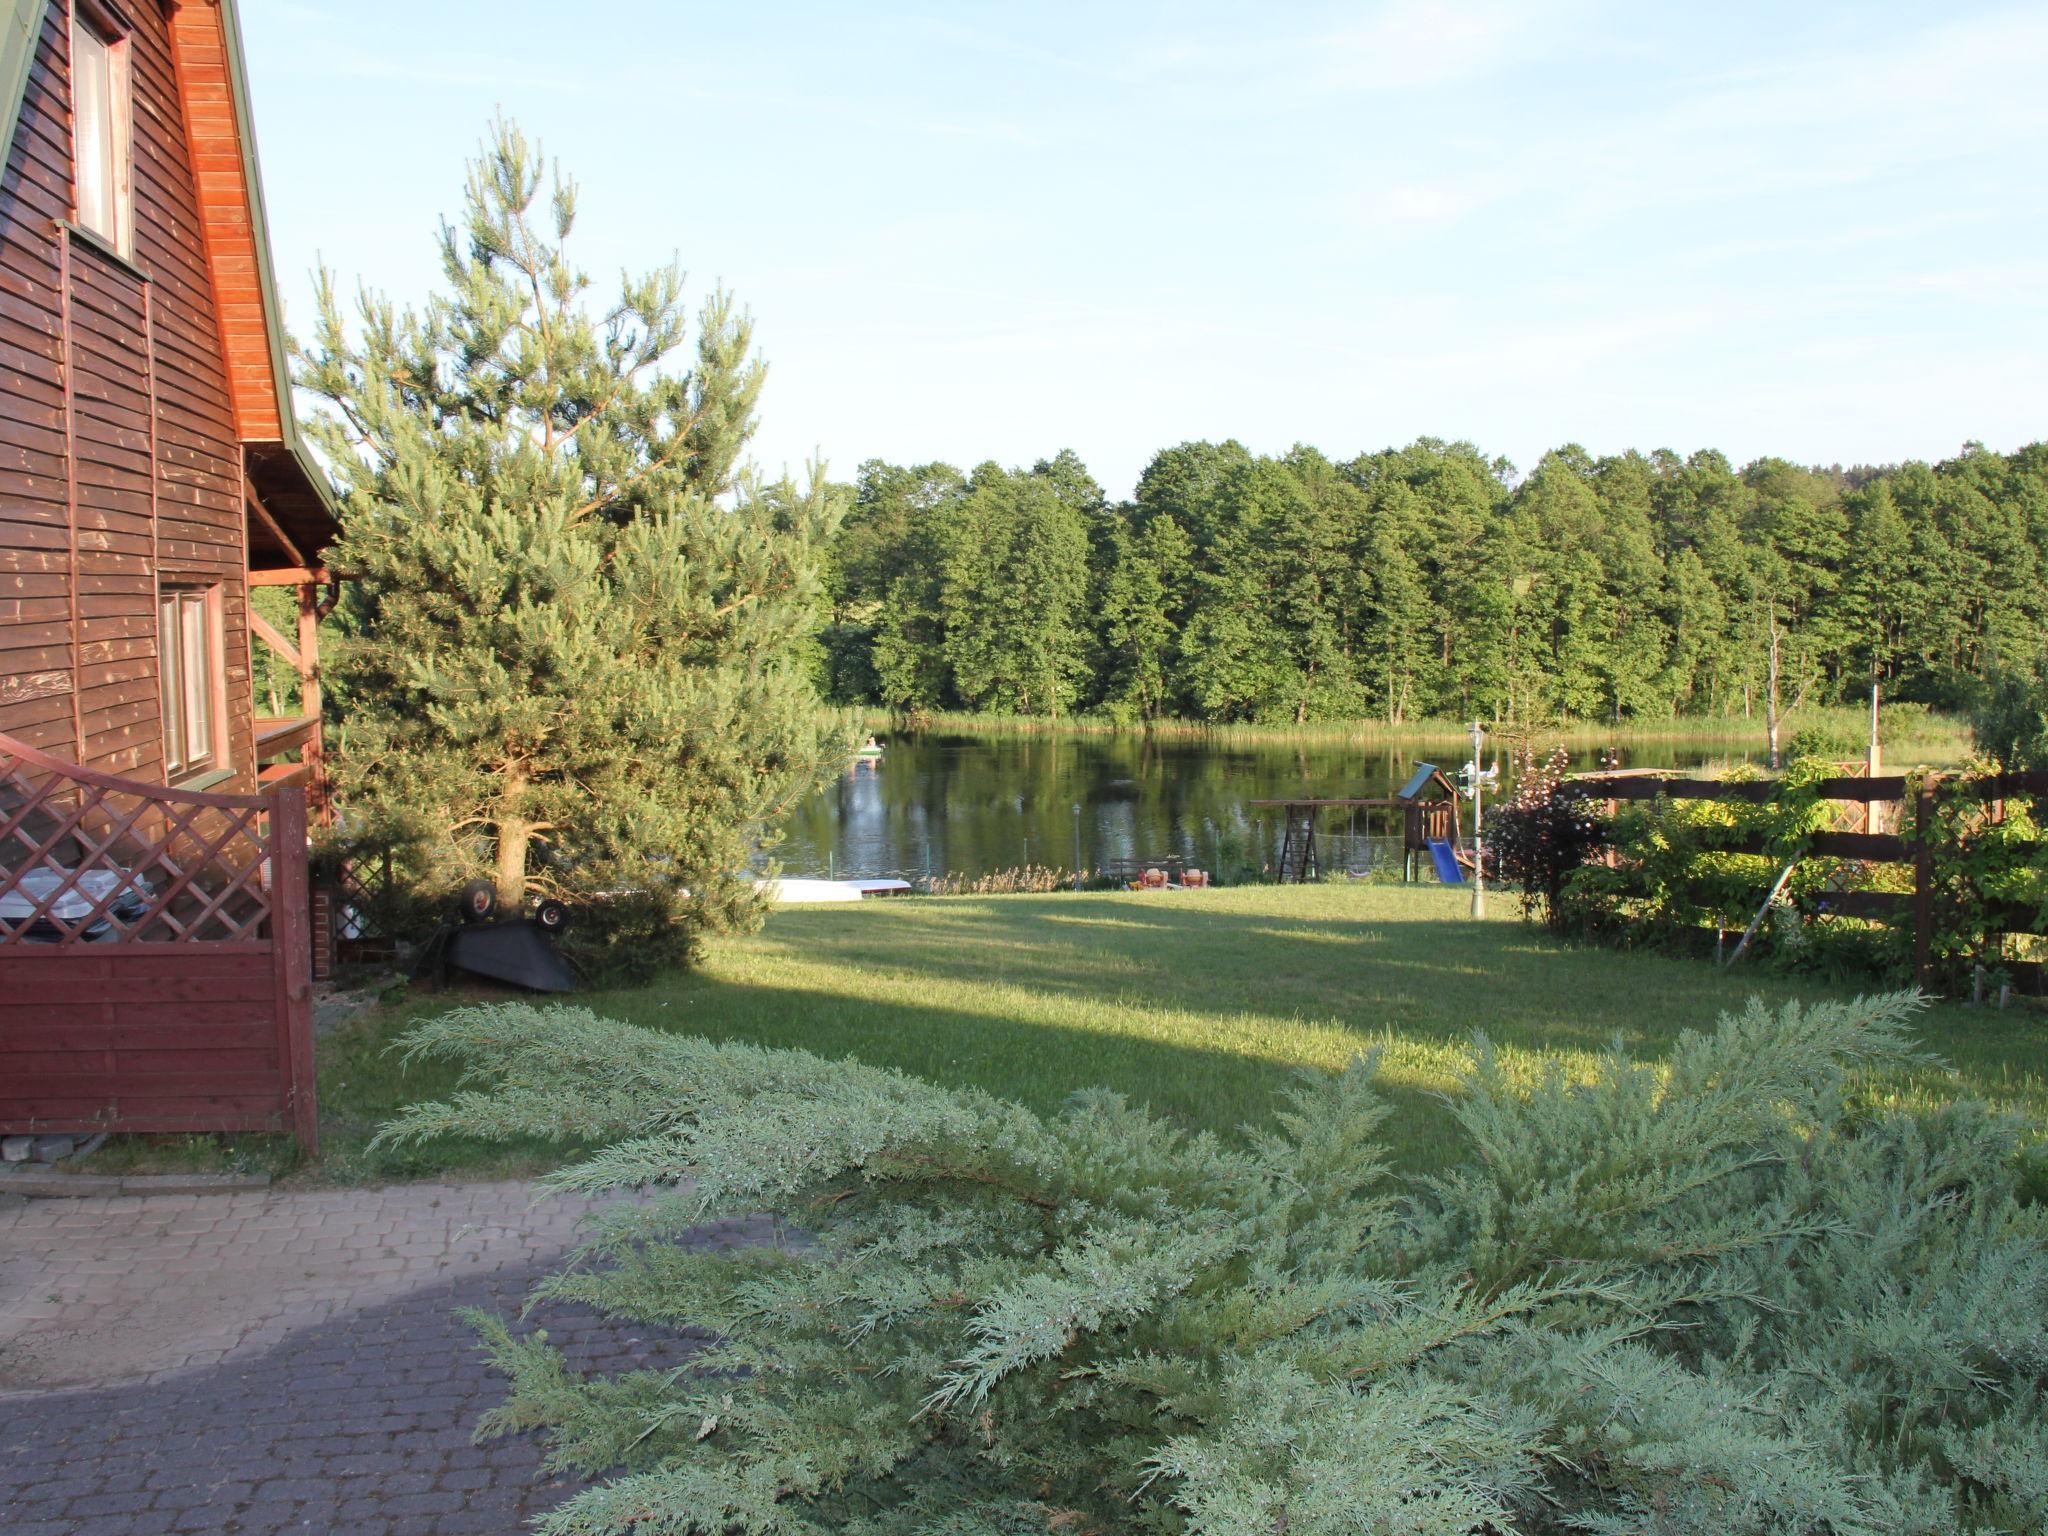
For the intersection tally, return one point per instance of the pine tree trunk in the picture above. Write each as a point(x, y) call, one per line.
point(515, 834)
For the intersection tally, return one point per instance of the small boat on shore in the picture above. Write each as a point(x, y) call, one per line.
point(803, 891)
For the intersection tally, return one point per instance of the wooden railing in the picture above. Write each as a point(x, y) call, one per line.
point(1914, 846)
point(277, 738)
point(155, 961)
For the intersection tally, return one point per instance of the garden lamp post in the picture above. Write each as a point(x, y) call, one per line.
point(1478, 844)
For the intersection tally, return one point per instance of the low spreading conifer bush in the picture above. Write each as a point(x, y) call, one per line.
point(1708, 1296)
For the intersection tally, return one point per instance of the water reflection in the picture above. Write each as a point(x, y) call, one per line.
point(969, 805)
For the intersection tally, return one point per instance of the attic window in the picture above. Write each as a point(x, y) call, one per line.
point(102, 198)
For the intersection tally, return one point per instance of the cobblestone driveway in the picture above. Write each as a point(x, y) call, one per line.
point(264, 1363)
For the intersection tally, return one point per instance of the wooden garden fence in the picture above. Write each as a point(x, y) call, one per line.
point(155, 956)
point(1915, 845)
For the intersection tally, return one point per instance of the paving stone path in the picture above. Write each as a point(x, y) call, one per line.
point(264, 1363)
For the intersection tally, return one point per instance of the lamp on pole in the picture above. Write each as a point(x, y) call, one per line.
point(1478, 844)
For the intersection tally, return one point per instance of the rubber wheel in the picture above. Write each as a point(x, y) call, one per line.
point(479, 901)
point(552, 916)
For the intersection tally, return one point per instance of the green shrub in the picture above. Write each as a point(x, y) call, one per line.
point(1825, 743)
point(2010, 722)
point(1709, 1297)
point(1903, 722)
point(626, 938)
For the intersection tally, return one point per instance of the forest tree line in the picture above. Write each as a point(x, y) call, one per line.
point(1432, 581)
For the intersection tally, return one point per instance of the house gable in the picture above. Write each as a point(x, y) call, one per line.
point(205, 45)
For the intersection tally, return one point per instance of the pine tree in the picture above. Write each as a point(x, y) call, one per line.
point(1013, 585)
point(1238, 650)
point(1396, 646)
point(1143, 605)
point(570, 663)
point(1872, 591)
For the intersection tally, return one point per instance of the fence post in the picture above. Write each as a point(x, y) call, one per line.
point(1923, 885)
point(291, 943)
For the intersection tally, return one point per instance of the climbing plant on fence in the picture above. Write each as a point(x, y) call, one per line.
point(1989, 862)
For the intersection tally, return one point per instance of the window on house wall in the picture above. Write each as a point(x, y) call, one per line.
point(188, 667)
point(100, 129)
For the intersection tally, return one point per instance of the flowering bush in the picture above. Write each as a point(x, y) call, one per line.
point(1545, 831)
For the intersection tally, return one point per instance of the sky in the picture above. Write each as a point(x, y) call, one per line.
point(972, 232)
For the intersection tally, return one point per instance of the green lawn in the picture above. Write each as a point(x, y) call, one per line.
point(1199, 1003)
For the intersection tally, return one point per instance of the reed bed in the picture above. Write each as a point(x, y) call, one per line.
point(1913, 735)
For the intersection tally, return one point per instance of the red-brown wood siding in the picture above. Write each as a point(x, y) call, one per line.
point(120, 463)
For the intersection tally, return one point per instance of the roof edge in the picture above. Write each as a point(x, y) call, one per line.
point(266, 275)
point(21, 32)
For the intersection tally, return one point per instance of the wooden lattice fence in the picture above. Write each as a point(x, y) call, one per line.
point(155, 958)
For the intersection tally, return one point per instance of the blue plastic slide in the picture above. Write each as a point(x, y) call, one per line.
point(1446, 862)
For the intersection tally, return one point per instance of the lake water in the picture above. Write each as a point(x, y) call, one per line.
point(968, 805)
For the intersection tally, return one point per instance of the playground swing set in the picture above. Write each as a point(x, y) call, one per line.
point(1432, 832)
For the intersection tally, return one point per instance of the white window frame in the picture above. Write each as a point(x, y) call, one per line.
point(102, 130)
point(191, 693)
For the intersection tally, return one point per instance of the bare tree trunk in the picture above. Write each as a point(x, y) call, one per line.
point(1776, 709)
point(1771, 700)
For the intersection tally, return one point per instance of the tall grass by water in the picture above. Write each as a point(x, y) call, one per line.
point(1910, 736)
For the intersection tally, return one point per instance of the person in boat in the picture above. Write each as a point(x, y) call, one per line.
point(871, 745)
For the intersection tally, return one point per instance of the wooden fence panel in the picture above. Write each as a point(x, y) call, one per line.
point(155, 964)
point(1916, 849)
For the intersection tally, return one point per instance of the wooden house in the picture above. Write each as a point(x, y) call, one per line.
point(155, 920)
point(151, 472)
